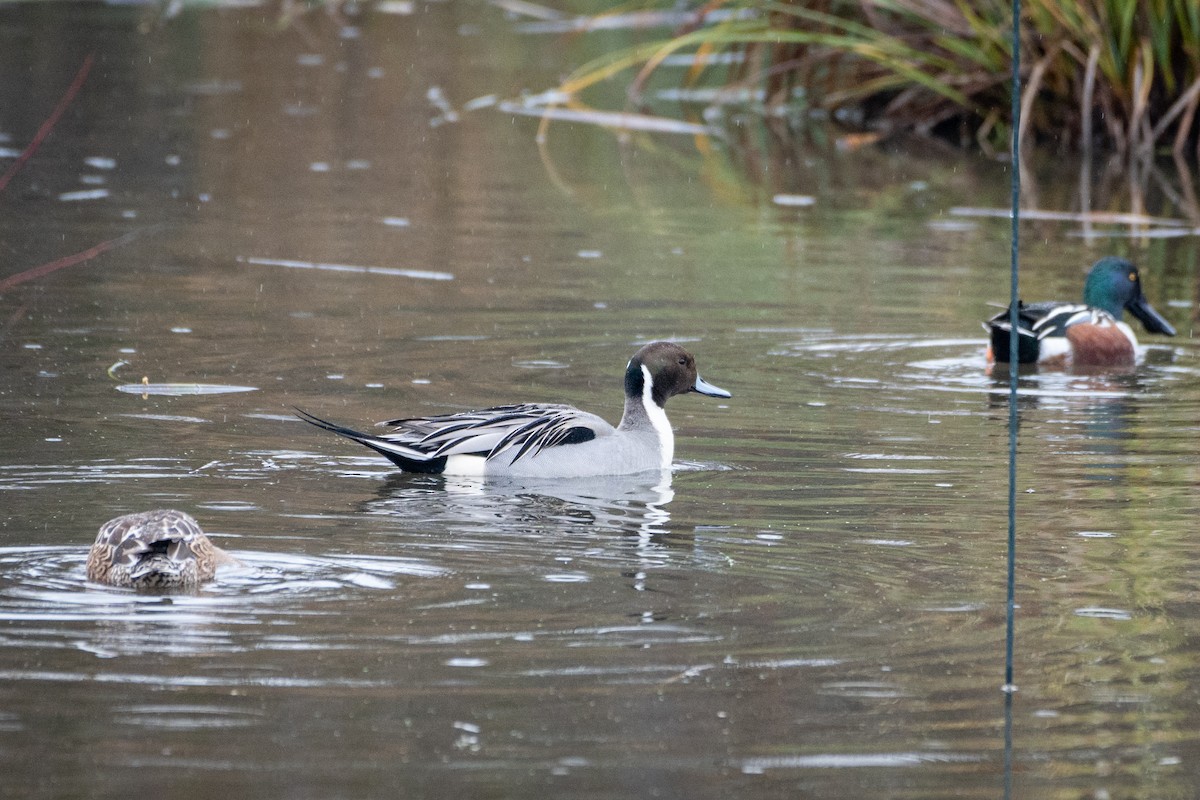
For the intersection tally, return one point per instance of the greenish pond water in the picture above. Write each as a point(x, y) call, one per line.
point(812, 605)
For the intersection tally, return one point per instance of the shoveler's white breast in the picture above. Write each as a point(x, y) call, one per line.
point(1053, 347)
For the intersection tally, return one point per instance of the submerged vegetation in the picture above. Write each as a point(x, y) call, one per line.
point(1118, 74)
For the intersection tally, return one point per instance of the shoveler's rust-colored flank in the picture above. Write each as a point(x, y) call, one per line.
point(1054, 334)
point(1100, 345)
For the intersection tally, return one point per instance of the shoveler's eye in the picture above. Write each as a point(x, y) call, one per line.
point(1133, 277)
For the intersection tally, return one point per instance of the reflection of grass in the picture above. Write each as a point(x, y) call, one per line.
point(1126, 72)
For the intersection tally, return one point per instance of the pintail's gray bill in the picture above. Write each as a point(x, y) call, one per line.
point(704, 387)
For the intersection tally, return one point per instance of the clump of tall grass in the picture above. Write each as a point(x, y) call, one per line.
point(1122, 74)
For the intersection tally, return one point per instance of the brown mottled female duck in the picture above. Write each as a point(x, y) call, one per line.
point(154, 550)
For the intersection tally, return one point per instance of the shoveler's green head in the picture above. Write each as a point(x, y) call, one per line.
point(1113, 284)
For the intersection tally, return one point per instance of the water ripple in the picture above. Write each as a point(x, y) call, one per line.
point(47, 601)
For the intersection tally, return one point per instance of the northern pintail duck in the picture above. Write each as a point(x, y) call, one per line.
point(1087, 334)
point(154, 550)
point(544, 440)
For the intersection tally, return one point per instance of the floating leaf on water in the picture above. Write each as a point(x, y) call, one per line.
point(164, 417)
point(398, 7)
point(527, 9)
point(566, 577)
point(634, 20)
point(852, 142)
point(486, 101)
point(179, 389)
point(539, 363)
point(1103, 613)
point(1097, 217)
point(692, 59)
point(711, 95)
point(549, 97)
point(621, 120)
point(420, 274)
point(756, 766)
point(369, 581)
point(1141, 233)
point(950, 226)
point(794, 200)
point(466, 662)
point(83, 194)
point(437, 98)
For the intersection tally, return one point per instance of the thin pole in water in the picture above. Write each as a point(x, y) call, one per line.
point(1013, 352)
point(1013, 373)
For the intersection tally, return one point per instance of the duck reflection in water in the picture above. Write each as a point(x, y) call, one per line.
point(1093, 414)
point(620, 503)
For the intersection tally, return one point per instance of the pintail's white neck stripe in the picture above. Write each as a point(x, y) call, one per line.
point(658, 419)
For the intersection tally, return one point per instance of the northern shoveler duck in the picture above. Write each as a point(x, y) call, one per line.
point(548, 440)
point(1087, 334)
point(154, 550)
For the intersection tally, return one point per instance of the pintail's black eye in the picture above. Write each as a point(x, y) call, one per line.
point(683, 361)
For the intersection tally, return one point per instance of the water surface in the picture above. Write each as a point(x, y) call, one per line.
point(811, 603)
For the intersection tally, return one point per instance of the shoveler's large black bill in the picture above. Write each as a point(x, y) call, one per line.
point(704, 387)
point(1150, 319)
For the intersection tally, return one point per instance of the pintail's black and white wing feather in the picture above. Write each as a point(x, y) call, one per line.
point(526, 427)
point(513, 431)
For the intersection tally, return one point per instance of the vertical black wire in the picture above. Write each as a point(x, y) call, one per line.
point(1013, 359)
point(1013, 373)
